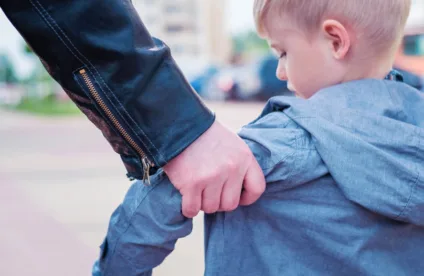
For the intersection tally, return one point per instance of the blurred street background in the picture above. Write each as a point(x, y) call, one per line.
point(60, 177)
point(60, 180)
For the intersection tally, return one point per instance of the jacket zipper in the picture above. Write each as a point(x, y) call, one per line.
point(144, 159)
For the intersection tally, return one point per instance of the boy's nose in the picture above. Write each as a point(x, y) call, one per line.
point(281, 72)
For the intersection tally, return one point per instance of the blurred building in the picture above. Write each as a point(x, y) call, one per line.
point(411, 53)
point(195, 30)
point(415, 22)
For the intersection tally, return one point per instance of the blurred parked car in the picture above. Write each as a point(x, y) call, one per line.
point(412, 79)
point(410, 57)
point(255, 81)
point(198, 82)
point(10, 94)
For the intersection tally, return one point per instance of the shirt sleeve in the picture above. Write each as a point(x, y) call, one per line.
point(143, 230)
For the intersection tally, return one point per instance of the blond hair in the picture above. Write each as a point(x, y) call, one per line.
point(380, 22)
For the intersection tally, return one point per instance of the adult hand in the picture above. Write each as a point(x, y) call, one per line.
point(216, 172)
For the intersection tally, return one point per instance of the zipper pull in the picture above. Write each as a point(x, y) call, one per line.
point(146, 170)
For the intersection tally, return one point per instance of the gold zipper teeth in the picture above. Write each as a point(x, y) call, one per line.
point(112, 117)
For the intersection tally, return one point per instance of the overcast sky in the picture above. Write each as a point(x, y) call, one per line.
point(240, 15)
point(11, 43)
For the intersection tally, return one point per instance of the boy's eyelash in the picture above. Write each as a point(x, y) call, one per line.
point(283, 54)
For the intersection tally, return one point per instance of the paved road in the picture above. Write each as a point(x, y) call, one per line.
point(59, 183)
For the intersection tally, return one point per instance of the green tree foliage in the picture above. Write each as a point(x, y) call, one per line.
point(250, 43)
point(7, 72)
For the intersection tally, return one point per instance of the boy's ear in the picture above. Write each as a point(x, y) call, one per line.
point(338, 38)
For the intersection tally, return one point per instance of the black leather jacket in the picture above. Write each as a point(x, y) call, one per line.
point(125, 81)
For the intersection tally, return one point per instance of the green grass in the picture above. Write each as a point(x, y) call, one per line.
point(48, 107)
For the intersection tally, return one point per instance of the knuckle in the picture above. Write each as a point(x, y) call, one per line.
point(206, 178)
point(255, 189)
point(178, 185)
point(245, 152)
point(210, 206)
point(190, 211)
point(186, 191)
point(193, 188)
point(230, 205)
point(259, 190)
point(200, 181)
point(210, 209)
point(231, 165)
point(184, 186)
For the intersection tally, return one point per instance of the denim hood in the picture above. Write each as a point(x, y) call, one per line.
point(367, 133)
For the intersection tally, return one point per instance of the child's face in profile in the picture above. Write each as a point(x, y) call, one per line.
point(306, 61)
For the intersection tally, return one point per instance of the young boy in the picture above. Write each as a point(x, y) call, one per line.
point(344, 165)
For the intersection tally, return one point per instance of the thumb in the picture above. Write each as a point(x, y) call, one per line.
point(253, 184)
point(192, 200)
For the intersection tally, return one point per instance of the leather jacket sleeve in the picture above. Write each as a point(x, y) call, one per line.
point(125, 81)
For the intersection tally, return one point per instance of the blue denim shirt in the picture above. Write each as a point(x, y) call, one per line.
point(345, 194)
